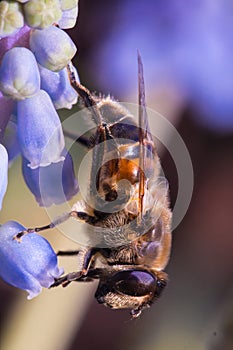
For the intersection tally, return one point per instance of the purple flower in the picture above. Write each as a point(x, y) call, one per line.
point(52, 48)
point(11, 18)
point(53, 184)
point(39, 130)
point(69, 18)
point(43, 13)
point(3, 172)
point(57, 85)
point(28, 265)
point(19, 74)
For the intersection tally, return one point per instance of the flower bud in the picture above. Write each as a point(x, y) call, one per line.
point(68, 18)
point(68, 4)
point(19, 74)
point(11, 18)
point(28, 265)
point(43, 13)
point(52, 48)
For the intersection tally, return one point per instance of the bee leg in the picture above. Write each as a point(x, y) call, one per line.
point(81, 215)
point(59, 220)
point(76, 276)
point(88, 261)
point(67, 252)
point(65, 280)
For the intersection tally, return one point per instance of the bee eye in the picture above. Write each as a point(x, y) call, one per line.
point(134, 283)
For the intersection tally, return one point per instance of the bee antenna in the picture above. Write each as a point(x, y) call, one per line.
point(85, 95)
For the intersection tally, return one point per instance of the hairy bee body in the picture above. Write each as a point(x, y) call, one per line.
point(129, 202)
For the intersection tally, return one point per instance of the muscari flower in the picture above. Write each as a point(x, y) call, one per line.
point(20, 79)
point(40, 132)
point(11, 18)
point(57, 85)
point(30, 264)
point(52, 48)
point(43, 13)
point(69, 13)
point(53, 184)
point(36, 14)
point(19, 74)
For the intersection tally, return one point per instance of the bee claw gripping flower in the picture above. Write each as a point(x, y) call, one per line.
point(29, 265)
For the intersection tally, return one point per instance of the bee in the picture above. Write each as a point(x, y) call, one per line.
point(129, 205)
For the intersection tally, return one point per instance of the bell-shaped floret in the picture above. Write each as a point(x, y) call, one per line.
point(40, 132)
point(43, 13)
point(30, 264)
point(54, 184)
point(69, 18)
point(52, 47)
point(57, 85)
point(11, 18)
point(19, 74)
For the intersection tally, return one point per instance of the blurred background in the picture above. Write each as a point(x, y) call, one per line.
point(187, 52)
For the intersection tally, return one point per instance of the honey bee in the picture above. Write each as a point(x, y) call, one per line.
point(129, 203)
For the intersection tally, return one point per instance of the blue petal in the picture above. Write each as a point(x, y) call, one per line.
point(29, 265)
point(54, 184)
point(10, 141)
point(6, 109)
point(57, 85)
point(19, 74)
point(52, 47)
point(39, 131)
point(69, 18)
point(3, 172)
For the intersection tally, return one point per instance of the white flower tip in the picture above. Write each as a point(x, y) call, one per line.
point(44, 164)
point(33, 294)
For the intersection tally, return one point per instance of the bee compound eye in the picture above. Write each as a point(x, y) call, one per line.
point(134, 283)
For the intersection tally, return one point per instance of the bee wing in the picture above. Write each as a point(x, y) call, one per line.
point(143, 118)
point(156, 196)
point(145, 138)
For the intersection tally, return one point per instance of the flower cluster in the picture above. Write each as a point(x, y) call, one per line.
point(36, 14)
point(34, 84)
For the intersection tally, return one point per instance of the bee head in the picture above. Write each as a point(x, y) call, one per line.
point(133, 289)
